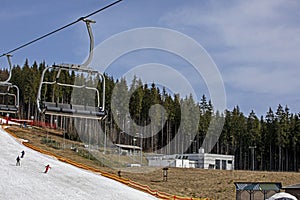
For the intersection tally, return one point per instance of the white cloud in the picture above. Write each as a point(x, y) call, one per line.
point(277, 81)
point(255, 44)
point(246, 24)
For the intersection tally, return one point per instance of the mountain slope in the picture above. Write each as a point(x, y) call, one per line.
point(63, 181)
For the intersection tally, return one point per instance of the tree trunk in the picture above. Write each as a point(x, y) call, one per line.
point(286, 159)
point(295, 158)
point(28, 110)
point(279, 159)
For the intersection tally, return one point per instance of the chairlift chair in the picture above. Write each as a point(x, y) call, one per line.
point(9, 94)
point(78, 106)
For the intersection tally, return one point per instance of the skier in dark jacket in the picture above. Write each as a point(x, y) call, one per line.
point(22, 154)
point(47, 167)
point(18, 161)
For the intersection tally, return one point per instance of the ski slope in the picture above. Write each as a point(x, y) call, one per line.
point(63, 181)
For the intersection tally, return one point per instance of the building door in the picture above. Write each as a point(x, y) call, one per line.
point(223, 164)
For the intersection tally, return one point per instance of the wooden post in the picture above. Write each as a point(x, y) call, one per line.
point(165, 174)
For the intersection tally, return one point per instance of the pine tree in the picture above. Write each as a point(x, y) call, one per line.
point(253, 137)
point(271, 137)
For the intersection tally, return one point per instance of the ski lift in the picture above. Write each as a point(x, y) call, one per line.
point(9, 93)
point(85, 101)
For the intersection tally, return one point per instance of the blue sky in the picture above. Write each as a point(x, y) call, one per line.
point(255, 44)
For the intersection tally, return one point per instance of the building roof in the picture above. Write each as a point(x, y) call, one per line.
point(258, 186)
point(296, 186)
point(125, 146)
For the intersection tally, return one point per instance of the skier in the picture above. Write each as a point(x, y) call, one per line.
point(18, 161)
point(22, 154)
point(47, 167)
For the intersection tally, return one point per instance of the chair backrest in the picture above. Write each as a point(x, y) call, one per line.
point(83, 97)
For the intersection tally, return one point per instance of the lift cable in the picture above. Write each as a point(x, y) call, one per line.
point(61, 28)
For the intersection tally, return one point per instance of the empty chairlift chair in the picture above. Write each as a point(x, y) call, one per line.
point(9, 93)
point(82, 96)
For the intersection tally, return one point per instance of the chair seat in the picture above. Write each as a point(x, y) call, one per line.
point(8, 108)
point(72, 110)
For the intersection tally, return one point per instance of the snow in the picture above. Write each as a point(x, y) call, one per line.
point(63, 181)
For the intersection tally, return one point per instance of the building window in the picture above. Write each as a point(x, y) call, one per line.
point(211, 166)
point(218, 164)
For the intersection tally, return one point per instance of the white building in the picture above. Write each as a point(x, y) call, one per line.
point(168, 160)
point(196, 160)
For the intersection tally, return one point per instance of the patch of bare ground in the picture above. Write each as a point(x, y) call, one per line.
point(215, 184)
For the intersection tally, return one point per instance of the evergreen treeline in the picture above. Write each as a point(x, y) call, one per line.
point(270, 142)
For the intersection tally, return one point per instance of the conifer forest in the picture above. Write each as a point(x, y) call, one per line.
point(270, 142)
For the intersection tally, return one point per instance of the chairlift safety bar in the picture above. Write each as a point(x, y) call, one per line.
point(5, 107)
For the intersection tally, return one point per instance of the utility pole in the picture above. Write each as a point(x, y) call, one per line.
point(105, 135)
point(140, 135)
point(134, 139)
point(104, 152)
point(252, 152)
point(141, 150)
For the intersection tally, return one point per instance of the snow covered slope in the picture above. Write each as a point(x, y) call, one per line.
point(63, 181)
